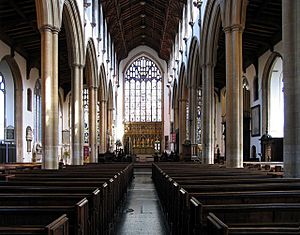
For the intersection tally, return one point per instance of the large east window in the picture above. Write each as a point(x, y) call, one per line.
point(143, 92)
point(2, 106)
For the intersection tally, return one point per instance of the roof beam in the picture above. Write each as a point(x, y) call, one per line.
point(120, 26)
point(23, 16)
point(165, 26)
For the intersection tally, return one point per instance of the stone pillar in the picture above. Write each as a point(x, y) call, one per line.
point(234, 96)
point(102, 126)
point(291, 74)
point(182, 125)
point(77, 114)
point(207, 114)
point(50, 117)
point(93, 123)
point(110, 122)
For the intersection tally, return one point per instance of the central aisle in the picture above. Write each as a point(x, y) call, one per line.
point(142, 213)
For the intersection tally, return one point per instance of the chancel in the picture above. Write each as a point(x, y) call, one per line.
point(149, 117)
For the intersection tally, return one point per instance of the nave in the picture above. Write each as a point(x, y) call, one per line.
point(142, 213)
point(176, 198)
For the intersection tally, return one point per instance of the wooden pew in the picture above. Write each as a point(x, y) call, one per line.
point(111, 190)
point(176, 186)
point(30, 215)
point(216, 226)
point(109, 194)
point(54, 200)
point(59, 226)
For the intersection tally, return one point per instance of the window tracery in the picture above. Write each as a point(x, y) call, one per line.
point(143, 92)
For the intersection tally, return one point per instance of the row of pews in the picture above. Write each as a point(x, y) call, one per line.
point(76, 200)
point(208, 199)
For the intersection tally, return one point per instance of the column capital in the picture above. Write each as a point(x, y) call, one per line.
point(93, 87)
point(45, 28)
point(182, 100)
point(49, 28)
point(235, 27)
point(209, 65)
point(80, 66)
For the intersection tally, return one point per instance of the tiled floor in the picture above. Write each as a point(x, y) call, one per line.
point(142, 213)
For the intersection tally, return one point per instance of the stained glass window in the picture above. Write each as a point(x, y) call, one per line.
point(2, 106)
point(86, 115)
point(199, 113)
point(98, 122)
point(37, 112)
point(143, 92)
point(187, 121)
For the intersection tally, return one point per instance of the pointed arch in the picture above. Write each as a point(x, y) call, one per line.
point(74, 33)
point(91, 64)
point(183, 83)
point(110, 100)
point(233, 12)
point(182, 109)
point(193, 63)
point(140, 54)
point(16, 73)
point(48, 13)
point(175, 104)
point(102, 99)
point(265, 91)
point(102, 93)
point(210, 33)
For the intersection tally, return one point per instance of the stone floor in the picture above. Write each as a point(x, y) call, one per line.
point(142, 213)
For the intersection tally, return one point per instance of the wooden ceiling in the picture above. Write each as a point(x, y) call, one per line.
point(139, 22)
point(18, 28)
point(263, 30)
point(143, 22)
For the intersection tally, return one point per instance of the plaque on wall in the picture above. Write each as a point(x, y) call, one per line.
point(10, 133)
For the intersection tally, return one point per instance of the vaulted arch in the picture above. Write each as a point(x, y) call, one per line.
point(15, 70)
point(91, 64)
point(193, 63)
point(74, 33)
point(102, 102)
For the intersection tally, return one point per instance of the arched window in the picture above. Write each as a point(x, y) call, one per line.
point(143, 91)
point(29, 100)
point(276, 117)
point(86, 114)
point(2, 106)
point(37, 112)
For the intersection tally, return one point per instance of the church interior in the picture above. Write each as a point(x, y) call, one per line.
point(149, 117)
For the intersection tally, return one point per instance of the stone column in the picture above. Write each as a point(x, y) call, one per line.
point(77, 114)
point(102, 126)
point(182, 126)
point(291, 75)
point(110, 121)
point(234, 97)
point(207, 114)
point(49, 74)
point(93, 123)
